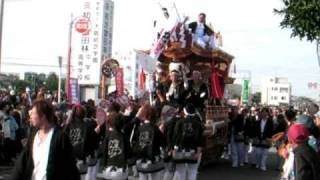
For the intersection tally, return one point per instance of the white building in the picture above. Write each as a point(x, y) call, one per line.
point(91, 43)
point(275, 91)
point(132, 63)
point(108, 27)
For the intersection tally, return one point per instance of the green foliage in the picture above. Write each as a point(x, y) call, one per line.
point(36, 80)
point(20, 85)
point(52, 82)
point(303, 17)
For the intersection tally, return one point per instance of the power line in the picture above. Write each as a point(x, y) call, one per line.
point(34, 65)
point(38, 58)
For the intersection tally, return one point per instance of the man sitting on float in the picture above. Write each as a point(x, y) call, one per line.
point(176, 92)
point(197, 91)
point(203, 36)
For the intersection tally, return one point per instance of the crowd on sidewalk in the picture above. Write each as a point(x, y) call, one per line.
point(295, 135)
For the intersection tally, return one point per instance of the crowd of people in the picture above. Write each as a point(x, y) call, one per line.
point(150, 141)
point(59, 141)
point(295, 135)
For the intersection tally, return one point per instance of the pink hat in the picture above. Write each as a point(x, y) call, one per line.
point(297, 134)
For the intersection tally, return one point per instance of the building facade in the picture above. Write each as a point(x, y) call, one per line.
point(108, 13)
point(133, 62)
point(275, 91)
point(91, 42)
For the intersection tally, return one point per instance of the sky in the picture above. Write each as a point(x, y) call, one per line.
point(36, 32)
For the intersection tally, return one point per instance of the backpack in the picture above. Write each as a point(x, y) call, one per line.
point(115, 150)
point(144, 146)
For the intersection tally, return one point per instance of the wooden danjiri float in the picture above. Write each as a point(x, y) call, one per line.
point(177, 47)
point(214, 65)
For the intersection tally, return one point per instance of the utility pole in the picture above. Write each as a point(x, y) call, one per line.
point(59, 85)
point(67, 89)
point(1, 28)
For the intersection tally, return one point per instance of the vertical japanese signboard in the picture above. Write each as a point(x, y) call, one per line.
point(245, 91)
point(74, 87)
point(87, 43)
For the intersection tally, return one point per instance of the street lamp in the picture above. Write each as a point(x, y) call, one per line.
point(84, 28)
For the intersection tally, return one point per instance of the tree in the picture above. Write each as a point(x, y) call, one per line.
point(303, 17)
point(36, 80)
point(20, 85)
point(52, 82)
point(256, 98)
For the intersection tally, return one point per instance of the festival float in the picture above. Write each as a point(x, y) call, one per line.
point(180, 51)
point(177, 49)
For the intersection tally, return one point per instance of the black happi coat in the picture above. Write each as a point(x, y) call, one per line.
point(193, 95)
point(238, 128)
point(169, 130)
point(120, 149)
point(249, 128)
point(266, 134)
point(81, 137)
point(179, 99)
point(307, 163)
point(61, 164)
point(157, 142)
point(207, 30)
point(198, 131)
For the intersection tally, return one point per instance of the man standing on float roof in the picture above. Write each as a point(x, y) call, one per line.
point(202, 34)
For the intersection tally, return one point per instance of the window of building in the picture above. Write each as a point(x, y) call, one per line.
point(275, 98)
point(276, 89)
point(283, 98)
point(284, 90)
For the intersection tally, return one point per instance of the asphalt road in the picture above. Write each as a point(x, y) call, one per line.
point(220, 170)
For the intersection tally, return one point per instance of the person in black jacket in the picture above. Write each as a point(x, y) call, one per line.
point(262, 138)
point(238, 138)
point(168, 130)
point(202, 34)
point(149, 141)
point(307, 161)
point(249, 133)
point(176, 92)
point(81, 137)
point(93, 143)
point(48, 154)
point(116, 150)
point(188, 141)
point(197, 91)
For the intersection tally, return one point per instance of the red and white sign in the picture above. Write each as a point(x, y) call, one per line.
point(86, 42)
point(119, 82)
point(82, 25)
